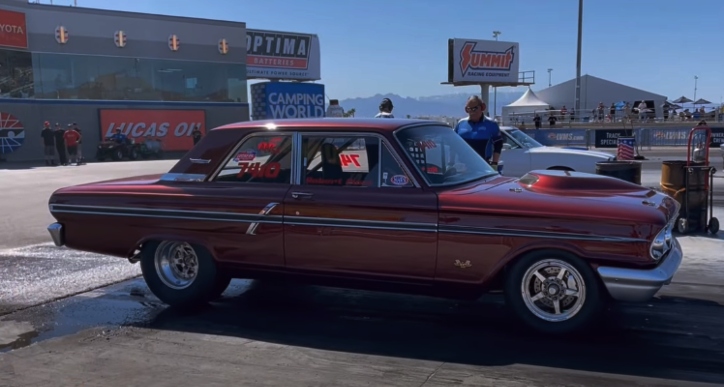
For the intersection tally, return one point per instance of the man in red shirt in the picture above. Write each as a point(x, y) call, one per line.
point(72, 138)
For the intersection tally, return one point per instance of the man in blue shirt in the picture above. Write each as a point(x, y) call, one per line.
point(480, 132)
point(119, 137)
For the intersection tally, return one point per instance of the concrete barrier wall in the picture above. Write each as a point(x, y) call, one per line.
point(607, 137)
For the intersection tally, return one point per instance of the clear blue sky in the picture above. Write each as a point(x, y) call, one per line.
point(399, 46)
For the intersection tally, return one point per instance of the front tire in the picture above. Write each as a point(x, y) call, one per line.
point(180, 274)
point(554, 292)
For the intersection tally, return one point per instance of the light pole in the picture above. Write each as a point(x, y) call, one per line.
point(696, 81)
point(495, 88)
point(550, 71)
point(578, 57)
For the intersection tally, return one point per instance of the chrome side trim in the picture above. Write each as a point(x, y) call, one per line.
point(358, 223)
point(165, 214)
point(56, 233)
point(264, 212)
point(537, 234)
point(638, 285)
point(200, 161)
point(182, 177)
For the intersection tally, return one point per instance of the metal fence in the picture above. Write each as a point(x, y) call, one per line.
point(646, 138)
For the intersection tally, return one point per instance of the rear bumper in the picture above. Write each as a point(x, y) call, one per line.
point(636, 285)
point(56, 232)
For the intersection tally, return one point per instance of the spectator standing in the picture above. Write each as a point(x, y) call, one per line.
point(60, 144)
point(81, 159)
point(612, 112)
point(481, 133)
point(599, 111)
point(48, 143)
point(642, 111)
point(72, 138)
point(537, 121)
point(196, 135)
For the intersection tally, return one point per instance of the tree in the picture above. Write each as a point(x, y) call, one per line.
point(350, 112)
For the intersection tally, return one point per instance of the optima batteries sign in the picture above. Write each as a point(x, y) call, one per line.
point(282, 55)
point(275, 100)
point(172, 127)
point(482, 61)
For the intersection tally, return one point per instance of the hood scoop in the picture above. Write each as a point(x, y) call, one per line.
point(567, 182)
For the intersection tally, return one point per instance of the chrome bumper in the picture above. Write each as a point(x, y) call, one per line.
point(635, 285)
point(56, 232)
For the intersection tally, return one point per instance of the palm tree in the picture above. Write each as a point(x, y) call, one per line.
point(350, 112)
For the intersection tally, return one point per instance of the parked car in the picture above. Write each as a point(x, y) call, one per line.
point(522, 153)
point(421, 213)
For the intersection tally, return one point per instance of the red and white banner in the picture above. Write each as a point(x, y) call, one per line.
point(172, 127)
point(13, 32)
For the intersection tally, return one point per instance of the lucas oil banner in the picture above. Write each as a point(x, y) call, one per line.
point(172, 127)
point(275, 100)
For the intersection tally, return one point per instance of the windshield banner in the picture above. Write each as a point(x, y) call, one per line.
point(172, 127)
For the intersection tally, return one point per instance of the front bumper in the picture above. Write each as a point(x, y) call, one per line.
point(56, 232)
point(636, 285)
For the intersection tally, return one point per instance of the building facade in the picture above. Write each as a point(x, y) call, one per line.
point(109, 69)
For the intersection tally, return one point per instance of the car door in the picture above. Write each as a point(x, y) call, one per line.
point(248, 194)
point(516, 159)
point(356, 209)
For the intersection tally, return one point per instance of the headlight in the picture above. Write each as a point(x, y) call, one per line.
point(662, 243)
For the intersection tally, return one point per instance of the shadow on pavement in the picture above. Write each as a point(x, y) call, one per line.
point(672, 338)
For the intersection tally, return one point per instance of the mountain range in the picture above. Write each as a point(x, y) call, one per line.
point(450, 105)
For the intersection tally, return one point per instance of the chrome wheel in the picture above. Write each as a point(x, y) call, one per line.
point(553, 290)
point(176, 264)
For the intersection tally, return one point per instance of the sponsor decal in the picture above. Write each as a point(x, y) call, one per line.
point(223, 47)
point(282, 55)
point(427, 144)
point(172, 127)
point(13, 32)
point(120, 39)
point(278, 100)
point(173, 43)
point(247, 155)
point(12, 133)
point(61, 35)
point(399, 180)
point(271, 146)
point(258, 171)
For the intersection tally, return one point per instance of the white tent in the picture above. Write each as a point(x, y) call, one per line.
point(595, 90)
point(524, 108)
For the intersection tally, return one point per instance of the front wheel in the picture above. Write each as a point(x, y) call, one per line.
point(180, 274)
point(554, 292)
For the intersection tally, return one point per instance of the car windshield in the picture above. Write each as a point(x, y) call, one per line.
point(521, 137)
point(441, 156)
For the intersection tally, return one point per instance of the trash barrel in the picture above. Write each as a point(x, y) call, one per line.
point(674, 175)
point(625, 170)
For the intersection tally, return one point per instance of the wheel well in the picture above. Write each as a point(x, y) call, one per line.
point(560, 168)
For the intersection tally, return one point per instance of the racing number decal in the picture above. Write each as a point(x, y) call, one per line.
point(346, 160)
point(256, 170)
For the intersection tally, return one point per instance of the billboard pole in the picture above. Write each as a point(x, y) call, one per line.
point(578, 58)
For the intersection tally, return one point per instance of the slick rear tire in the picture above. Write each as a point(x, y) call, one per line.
point(180, 274)
point(551, 302)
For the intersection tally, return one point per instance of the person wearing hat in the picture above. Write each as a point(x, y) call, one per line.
point(385, 109)
point(480, 132)
point(59, 134)
point(48, 143)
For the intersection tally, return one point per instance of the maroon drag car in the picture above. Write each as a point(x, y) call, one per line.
point(393, 205)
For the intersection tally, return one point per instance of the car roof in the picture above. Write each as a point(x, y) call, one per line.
point(322, 124)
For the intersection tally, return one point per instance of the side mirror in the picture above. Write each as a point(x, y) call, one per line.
point(507, 146)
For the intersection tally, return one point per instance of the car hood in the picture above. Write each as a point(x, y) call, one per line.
point(571, 151)
point(563, 195)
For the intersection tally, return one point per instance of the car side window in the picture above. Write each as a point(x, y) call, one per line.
point(509, 143)
point(393, 175)
point(260, 159)
point(338, 160)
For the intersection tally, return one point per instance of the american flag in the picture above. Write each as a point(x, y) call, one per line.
point(625, 148)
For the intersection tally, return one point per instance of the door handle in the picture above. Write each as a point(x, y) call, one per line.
point(302, 195)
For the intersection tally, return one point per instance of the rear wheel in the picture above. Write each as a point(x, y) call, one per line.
point(133, 154)
point(118, 155)
point(180, 274)
point(554, 292)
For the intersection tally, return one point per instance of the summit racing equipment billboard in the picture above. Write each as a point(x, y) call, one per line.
point(282, 55)
point(482, 61)
point(172, 127)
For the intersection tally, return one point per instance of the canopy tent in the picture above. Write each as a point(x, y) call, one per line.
point(701, 101)
point(682, 99)
point(526, 106)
